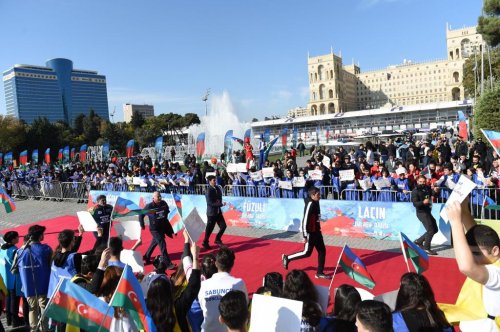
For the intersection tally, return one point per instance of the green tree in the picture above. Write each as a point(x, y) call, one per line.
point(91, 125)
point(12, 134)
point(487, 110)
point(42, 134)
point(489, 22)
point(79, 124)
point(472, 71)
point(190, 119)
point(137, 120)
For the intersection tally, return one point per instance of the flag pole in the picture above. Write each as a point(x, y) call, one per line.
point(482, 208)
point(111, 222)
point(335, 272)
point(59, 283)
point(404, 251)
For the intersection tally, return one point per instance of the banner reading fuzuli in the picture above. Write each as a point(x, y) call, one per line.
point(360, 219)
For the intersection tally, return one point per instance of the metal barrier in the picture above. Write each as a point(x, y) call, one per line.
point(374, 195)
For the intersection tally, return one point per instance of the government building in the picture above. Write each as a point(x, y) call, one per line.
point(57, 91)
point(335, 87)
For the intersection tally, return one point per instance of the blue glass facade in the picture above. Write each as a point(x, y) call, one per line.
point(57, 92)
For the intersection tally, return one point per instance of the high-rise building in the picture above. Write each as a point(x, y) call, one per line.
point(57, 92)
point(336, 88)
point(145, 110)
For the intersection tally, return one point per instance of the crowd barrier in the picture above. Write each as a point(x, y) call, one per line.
point(78, 191)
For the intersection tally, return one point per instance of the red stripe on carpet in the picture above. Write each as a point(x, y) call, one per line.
point(255, 257)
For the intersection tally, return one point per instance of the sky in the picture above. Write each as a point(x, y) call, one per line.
point(168, 53)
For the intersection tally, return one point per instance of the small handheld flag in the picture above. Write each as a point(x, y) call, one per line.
point(125, 207)
point(129, 295)
point(7, 201)
point(418, 257)
point(493, 137)
point(490, 204)
point(354, 268)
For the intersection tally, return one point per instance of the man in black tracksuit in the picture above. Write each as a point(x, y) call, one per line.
point(159, 226)
point(311, 231)
point(214, 212)
point(101, 213)
point(421, 197)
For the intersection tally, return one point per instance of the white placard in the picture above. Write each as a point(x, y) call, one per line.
point(462, 189)
point(299, 181)
point(285, 185)
point(346, 175)
point(388, 298)
point(136, 181)
point(133, 259)
point(323, 294)
point(232, 168)
point(268, 172)
point(315, 174)
point(241, 167)
point(271, 313)
point(128, 229)
point(400, 170)
point(256, 176)
point(365, 295)
point(326, 161)
point(194, 225)
point(87, 221)
point(365, 184)
point(382, 183)
point(450, 184)
point(207, 174)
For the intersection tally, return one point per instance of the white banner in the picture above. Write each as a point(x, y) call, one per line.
point(268, 172)
point(285, 185)
point(299, 181)
point(346, 175)
point(315, 174)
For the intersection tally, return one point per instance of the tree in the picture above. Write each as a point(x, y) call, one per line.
point(255, 120)
point(190, 119)
point(487, 110)
point(468, 80)
point(79, 124)
point(42, 134)
point(489, 22)
point(91, 125)
point(137, 120)
point(12, 134)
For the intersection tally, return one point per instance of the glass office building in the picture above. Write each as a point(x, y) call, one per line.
point(57, 92)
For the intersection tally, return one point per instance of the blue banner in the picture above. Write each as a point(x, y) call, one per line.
point(105, 151)
point(159, 147)
point(228, 144)
point(66, 154)
point(34, 157)
point(355, 219)
point(8, 158)
point(294, 138)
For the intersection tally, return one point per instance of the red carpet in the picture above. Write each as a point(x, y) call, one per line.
point(255, 257)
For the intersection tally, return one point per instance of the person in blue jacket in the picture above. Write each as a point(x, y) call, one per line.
point(12, 281)
point(34, 260)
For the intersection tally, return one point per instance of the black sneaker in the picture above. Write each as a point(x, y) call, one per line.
point(284, 259)
point(431, 252)
point(172, 266)
point(206, 246)
point(219, 243)
point(322, 276)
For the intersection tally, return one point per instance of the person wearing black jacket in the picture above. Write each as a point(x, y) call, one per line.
point(214, 212)
point(311, 230)
point(421, 197)
point(159, 226)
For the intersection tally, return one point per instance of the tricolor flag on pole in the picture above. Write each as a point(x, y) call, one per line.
point(125, 207)
point(175, 216)
point(129, 295)
point(493, 137)
point(354, 268)
point(73, 305)
point(418, 257)
point(7, 201)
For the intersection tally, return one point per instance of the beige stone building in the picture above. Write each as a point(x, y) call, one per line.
point(335, 87)
point(146, 111)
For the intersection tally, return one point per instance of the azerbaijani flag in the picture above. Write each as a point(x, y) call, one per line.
point(83, 153)
point(130, 148)
point(354, 268)
point(7, 202)
point(125, 207)
point(23, 157)
point(239, 140)
point(178, 202)
point(493, 137)
point(72, 304)
point(284, 137)
point(175, 220)
point(490, 204)
point(462, 126)
point(47, 156)
point(72, 153)
point(129, 295)
point(60, 155)
point(200, 145)
point(418, 257)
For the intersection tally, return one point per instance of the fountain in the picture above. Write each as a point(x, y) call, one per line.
point(221, 118)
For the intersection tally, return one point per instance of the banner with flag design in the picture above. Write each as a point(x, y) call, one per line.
point(105, 151)
point(47, 156)
point(72, 154)
point(159, 147)
point(417, 255)
point(72, 304)
point(34, 157)
point(66, 154)
point(354, 268)
point(125, 207)
point(8, 158)
point(129, 295)
point(284, 137)
point(463, 129)
point(83, 153)
point(1, 159)
point(175, 219)
point(200, 145)
point(130, 148)
point(23, 157)
point(228, 144)
point(7, 201)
